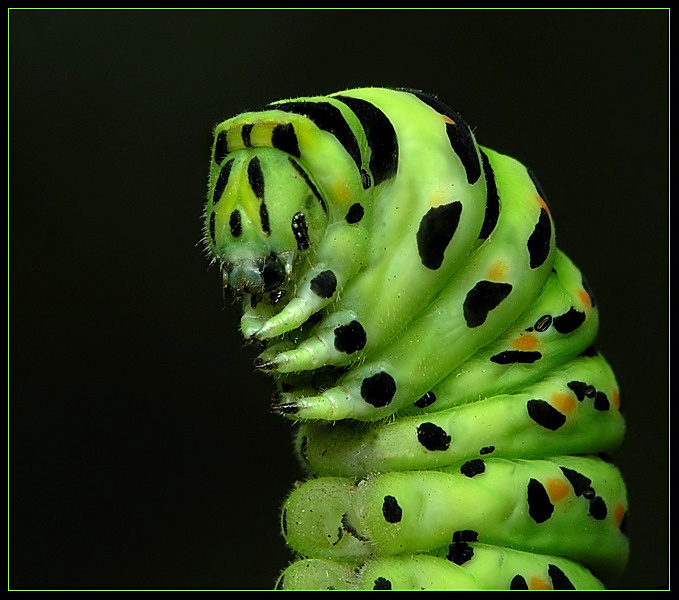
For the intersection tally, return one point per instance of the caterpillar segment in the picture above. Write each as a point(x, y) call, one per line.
point(430, 341)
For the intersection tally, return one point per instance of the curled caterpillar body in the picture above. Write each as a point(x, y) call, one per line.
point(431, 341)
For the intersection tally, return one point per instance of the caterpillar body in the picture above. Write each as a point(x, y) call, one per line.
point(433, 344)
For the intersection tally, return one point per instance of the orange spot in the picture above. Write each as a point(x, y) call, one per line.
point(341, 192)
point(497, 271)
point(526, 342)
point(557, 489)
point(538, 583)
point(619, 514)
point(584, 298)
point(616, 398)
point(543, 204)
point(563, 402)
point(448, 120)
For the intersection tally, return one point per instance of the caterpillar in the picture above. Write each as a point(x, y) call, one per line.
point(431, 342)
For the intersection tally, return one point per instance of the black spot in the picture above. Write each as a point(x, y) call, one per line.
point(569, 321)
point(382, 584)
point(264, 218)
point(392, 512)
point(588, 289)
point(222, 180)
point(355, 213)
point(492, 199)
point(328, 118)
point(579, 388)
point(212, 228)
point(427, 400)
point(459, 134)
point(539, 240)
point(433, 437)
point(284, 138)
point(300, 231)
point(379, 389)
point(559, 579)
point(380, 135)
point(307, 180)
point(473, 467)
point(284, 522)
point(245, 133)
point(235, 223)
point(487, 450)
point(581, 484)
point(365, 179)
point(543, 323)
point(460, 553)
point(279, 583)
point(481, 299)
point(221, 147)
point(324, 284)
point(256, 177)
point(518, 583)
point(465, 535)
point(509, 357)
point(539, 506)
point(597, 508)
point(436, 230)
point(350, 338)
point(601, 401)
point(545, 414)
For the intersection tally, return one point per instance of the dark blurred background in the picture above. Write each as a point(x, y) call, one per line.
point(143, 454)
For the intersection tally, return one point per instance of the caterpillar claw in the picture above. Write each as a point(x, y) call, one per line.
point(263, 365)
point(287, 408)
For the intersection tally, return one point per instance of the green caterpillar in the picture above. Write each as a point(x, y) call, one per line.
point(431, 341)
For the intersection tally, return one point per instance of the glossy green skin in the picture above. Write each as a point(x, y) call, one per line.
point(519, 420)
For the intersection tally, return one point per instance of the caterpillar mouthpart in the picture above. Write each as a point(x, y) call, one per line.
point(257, 275)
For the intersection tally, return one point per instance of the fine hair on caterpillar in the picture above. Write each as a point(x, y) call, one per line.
point(432, 342)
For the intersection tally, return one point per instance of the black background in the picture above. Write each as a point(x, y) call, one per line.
point(143, 454)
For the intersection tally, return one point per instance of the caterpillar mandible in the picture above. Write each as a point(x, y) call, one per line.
point(433, 344)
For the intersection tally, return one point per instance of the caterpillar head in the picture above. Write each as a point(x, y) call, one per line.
point(262, 214)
